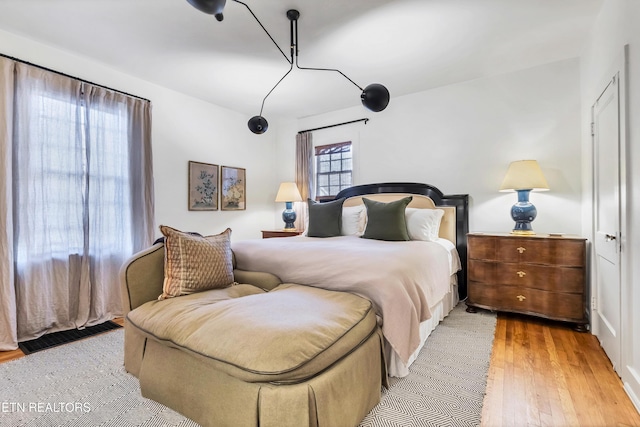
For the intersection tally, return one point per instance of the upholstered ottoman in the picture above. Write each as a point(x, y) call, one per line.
point(244, 356)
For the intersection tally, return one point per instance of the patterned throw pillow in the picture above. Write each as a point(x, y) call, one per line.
point(194, 263)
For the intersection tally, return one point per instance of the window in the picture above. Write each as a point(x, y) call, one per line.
point(53, 163)
point(334, 164)
point(80, 195)
point(61, 171)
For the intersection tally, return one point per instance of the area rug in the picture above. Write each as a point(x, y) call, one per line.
point(446, 384)
point(84, 383)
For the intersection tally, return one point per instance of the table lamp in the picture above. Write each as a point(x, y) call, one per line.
point(523, 176)
point(288, 193)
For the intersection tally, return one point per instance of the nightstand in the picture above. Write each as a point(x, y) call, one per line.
point(266, 234)
point(539, 275)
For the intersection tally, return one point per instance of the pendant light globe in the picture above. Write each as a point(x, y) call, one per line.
point(212, 7)
point(375, 97)
point(258, 125)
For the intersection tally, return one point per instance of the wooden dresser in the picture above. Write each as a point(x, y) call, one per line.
point(538, 275)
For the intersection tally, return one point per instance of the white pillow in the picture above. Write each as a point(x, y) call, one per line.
point(353, 220)
point(423, 224)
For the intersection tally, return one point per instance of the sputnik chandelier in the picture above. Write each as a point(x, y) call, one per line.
point(375, 96)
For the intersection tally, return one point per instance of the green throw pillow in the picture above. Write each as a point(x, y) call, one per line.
point(386, 221)
point(325, 219)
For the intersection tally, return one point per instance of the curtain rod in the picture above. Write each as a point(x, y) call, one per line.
point(365, 120)
point(70, 76)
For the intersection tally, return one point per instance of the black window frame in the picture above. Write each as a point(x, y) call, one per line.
point(336, 153)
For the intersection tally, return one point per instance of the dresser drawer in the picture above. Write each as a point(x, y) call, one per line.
point(553, 305)
point(543, 277)
point(565, 252)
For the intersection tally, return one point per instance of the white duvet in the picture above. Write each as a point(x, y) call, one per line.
point(402, 279)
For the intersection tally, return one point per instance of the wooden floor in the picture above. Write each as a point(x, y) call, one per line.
point(543, 373)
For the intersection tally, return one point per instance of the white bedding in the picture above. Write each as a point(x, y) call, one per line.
point(404, 280)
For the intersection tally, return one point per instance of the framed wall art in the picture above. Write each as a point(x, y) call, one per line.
point(233, 187)
point(203, 186)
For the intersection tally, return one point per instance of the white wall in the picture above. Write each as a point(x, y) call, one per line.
point(461, 139)
point(184, 128)
point(617, 25)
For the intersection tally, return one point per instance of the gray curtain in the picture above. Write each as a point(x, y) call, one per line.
point(304, 176)
point(81, 186)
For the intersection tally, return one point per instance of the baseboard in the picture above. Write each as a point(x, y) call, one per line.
point(634, 398)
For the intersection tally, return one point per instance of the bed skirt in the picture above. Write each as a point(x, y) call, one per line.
point(440, 310)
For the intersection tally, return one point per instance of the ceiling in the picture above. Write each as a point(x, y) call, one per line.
point(407, 45)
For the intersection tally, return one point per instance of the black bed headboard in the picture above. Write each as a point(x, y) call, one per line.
point(459, 201)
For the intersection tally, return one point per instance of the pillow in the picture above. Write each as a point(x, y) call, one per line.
point(424, 224)
point(353, 219)
point(386, 221)
point(195, 263)
point(325, 219)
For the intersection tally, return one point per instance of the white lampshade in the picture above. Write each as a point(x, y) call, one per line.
point(524, 175)
point(288, 192)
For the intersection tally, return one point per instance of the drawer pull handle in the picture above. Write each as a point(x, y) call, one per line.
point(521, 273)
point(521, 249)
point(521, 298)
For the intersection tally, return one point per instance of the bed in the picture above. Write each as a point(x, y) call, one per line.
point(412, 284)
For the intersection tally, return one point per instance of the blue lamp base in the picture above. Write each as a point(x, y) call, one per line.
point(289, 216)
point(523, 213)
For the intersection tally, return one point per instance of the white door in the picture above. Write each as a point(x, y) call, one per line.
point(606, 199)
